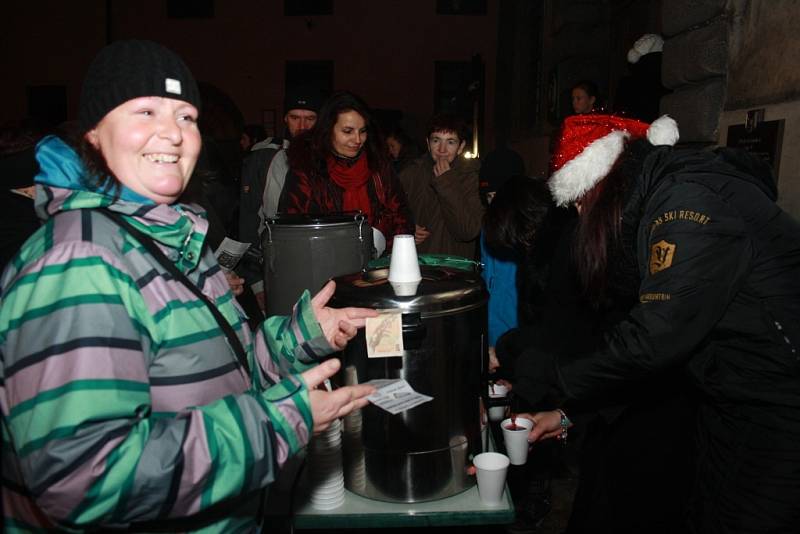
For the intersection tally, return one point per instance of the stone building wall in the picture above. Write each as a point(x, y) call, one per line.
point(723, 58)
point(763, 73)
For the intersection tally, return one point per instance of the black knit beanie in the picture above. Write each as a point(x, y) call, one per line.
point(125, 70)
point(302, 98)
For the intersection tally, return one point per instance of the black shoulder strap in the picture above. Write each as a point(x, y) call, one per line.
point(233, 340)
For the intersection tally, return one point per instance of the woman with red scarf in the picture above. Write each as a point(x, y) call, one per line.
point(341, 165)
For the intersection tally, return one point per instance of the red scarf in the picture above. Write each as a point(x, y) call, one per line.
point(353, 179)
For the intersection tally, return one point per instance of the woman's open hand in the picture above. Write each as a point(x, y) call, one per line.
point(338, 325)
point(326, 406)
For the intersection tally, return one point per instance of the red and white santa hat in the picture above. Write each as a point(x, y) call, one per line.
point(588, 145)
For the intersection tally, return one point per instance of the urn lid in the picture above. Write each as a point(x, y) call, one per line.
point(442, 291)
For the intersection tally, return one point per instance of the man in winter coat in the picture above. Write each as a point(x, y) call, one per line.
point(442, 191)
point(263, 175)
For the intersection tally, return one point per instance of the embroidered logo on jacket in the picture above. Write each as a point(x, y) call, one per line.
point(661, 255)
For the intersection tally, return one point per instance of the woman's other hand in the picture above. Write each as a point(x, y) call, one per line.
point(546, 425)
point(326, 406)
point(236, 283)
point(338, 325)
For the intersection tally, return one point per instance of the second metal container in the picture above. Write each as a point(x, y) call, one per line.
point(304, 251)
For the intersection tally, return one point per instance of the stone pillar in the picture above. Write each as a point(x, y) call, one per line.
point(695, 65)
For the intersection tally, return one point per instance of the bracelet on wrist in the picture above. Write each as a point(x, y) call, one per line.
point(565, 422)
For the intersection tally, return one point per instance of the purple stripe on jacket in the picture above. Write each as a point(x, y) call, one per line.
point(268, 366)
point(196, 458)
point(177, 397)
point(79, 364)
point(157, 293)
point(23, 509)
point(61, 499)
point(293, 418)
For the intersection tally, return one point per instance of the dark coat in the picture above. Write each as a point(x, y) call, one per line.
point(448, 206)
point(719, 296)
point(310, 190)
point(634, 461)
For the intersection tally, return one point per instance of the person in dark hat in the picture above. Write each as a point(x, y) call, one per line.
point(263, 175)
point(134, 395)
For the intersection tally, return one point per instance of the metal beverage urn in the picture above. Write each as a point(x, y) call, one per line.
point(420, 454)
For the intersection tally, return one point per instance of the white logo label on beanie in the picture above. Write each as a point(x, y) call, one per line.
point(173, 86)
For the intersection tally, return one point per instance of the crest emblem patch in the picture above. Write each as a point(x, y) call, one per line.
point(661, 255)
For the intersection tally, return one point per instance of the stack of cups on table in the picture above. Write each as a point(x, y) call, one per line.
point(404, 273)
point(325, 472)
point(356, 465)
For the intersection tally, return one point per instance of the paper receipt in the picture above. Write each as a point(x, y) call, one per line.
point(396, 395)
point(384, 335)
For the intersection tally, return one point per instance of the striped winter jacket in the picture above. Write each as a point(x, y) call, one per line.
point(121, 401)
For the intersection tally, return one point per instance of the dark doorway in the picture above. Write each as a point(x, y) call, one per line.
point(459, 89)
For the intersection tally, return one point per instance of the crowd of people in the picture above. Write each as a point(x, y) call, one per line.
point(644, 294)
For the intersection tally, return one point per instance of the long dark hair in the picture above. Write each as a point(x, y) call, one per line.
point(516, 215)
point(321, 145)
point(523, 224)
point(600, 240)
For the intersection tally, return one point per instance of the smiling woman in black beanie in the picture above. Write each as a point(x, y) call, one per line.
point(133, 393)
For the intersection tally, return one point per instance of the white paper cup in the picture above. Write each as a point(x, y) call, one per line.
point(497, 413)
point(517, 440)
point(497, 391)
point(404, 265)
point(378, 241)
point(491, 473)
point(329, 488)
point(405, 289)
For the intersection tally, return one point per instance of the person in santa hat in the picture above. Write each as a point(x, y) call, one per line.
point(634, 448)
point(717, 269)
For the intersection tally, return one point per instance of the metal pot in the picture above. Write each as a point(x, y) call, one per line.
point(420, 454)
point(305, 251)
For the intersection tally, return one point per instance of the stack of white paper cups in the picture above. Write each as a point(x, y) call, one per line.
point(326, 475)
point(404, 274)
point(356, 473)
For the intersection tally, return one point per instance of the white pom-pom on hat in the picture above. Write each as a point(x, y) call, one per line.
point(633, 55)
point(646, 44)
point(663, 131)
